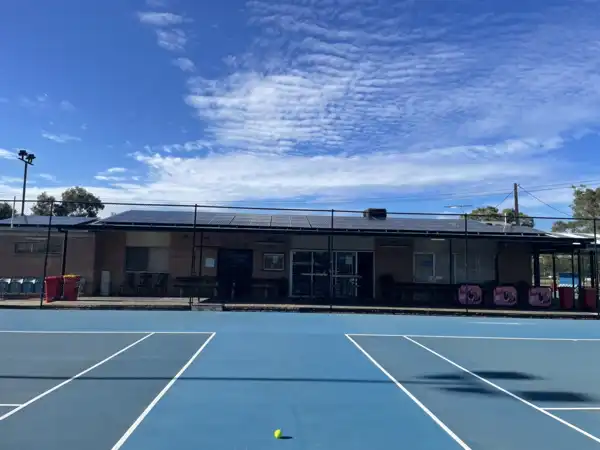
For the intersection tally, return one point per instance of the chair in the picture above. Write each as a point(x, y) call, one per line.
point(161, 283)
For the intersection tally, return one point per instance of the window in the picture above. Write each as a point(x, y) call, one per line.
point(136, 259)
point(424, 267)
point(273, 261)
point(147, 259)
point(38, 247)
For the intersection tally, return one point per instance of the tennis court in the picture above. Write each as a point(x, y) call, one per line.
point(149, 380)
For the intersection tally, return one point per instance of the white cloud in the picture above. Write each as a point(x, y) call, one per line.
point(7, 154)
point(172, 40)
point(116, 170)
point(66, 105)
point(189, 146)
point(374, 81)
point(10, 180)
point(47, 177)
point(108, 178)
point(156, 3)
point(160, 19)
point(185, 64)
point(60, 138)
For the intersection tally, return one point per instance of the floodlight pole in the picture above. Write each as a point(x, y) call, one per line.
point(27, 159)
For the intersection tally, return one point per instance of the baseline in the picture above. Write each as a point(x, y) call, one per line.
point(99, 332)
point(500, 338)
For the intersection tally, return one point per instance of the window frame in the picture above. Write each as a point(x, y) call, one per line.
point(37, 247)
point(432, 278)
point(269, 268)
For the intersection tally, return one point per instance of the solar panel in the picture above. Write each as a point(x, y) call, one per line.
point(151, 217)
point(281, 221)
point(222, 219)
point(44, 220)
point(318, 222)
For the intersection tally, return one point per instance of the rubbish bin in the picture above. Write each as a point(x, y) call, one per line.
point(52, 288)
point(71, 287)
point(589, 296)
point(566, 296)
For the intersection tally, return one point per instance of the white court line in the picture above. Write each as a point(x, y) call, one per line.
point(58, 386)
point(499, 338)
point(9, 405)
point(583, 408)
point(510, 394)
point(98, 332)
point(160, 395)
point(502, 323)
point(426, 410)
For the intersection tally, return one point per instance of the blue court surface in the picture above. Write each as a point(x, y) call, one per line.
point(101, 380)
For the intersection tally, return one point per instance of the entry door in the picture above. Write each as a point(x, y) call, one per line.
point(234, 268)
point(345, 277)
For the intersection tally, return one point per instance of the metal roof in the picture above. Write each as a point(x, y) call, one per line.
point(233, 220)
point(42, 221)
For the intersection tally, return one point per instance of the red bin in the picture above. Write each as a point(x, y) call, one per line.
point(52, 288)
point(566, 297)
point(71, 287)
point(589, 296)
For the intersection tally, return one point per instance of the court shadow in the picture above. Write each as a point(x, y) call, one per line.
point(480, 390)
point(556, 397)
point(285, 438)
point(488, 374)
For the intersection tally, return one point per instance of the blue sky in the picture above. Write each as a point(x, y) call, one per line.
point(414, 105)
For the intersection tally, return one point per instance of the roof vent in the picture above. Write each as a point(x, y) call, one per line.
point(375, 213)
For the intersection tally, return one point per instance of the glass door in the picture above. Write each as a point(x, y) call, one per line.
point(320, 274)
point(301, 274)
point(345, 277)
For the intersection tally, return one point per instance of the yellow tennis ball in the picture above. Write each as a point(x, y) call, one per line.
point(277, 434)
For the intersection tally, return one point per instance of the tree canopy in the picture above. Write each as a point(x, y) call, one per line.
point(6, 211)
point(493, 214)
point(75, 202)
point(586, 205)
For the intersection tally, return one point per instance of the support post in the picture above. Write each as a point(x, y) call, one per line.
point(48, 238)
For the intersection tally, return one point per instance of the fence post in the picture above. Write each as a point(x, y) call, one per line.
point(193, 260)
point(466, 280)
point(48, 238)
point(595, 267)
point(331, 263)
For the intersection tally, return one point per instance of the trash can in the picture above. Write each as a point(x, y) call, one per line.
point(71, 287)
point(52, 289)
point(566, 296)
point(589, 297)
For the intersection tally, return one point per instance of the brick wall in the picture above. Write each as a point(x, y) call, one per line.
point(80, 255)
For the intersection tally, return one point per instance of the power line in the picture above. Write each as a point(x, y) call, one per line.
point(543, 202)
point(504, 199)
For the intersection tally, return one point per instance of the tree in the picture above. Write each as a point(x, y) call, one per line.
point(493, 214)
point(6, 211)
point(43, 205)
point(586, 205)
point(79, 202)
point(76, 202)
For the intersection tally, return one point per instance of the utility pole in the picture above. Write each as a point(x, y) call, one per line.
point(516, 197)
point(27, 158)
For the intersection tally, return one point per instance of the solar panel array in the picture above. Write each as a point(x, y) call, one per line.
point(324, 222)
point(44, 220)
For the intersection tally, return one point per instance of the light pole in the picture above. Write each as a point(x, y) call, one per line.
point(27, 159)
